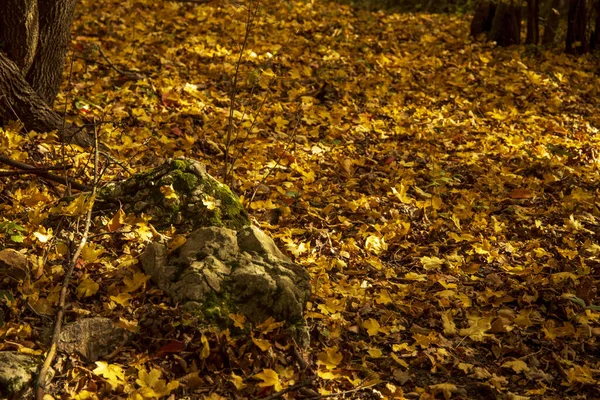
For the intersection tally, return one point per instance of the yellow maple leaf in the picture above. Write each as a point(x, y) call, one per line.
point(151, 386)
point(169, 192)
point(372, 326)
point(430, 263)
point(79, 206)
point(237, 381)
point(401, 195)
point(375, 244)
point(116, 221)
point(87, 288)
point(269, 378)
point(91, 252)
point(43, 234)
point(516, 365)
point(113, 373)
point(330, 358)
point(205, 352)
point(262, 344)
point(476, 331)
point(445, 388)
point(135, 282)
point(122, 299)
point(238, 320)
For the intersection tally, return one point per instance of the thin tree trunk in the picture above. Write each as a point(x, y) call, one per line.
point(45, 75)
point(19, 28)
point(533, 22)
point(19, 101)
point(552, 21)
point(577, 24)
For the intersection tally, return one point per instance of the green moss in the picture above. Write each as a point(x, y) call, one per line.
point(181, 164)
point(183, 181)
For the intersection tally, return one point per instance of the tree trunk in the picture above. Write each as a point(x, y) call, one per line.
point(506, 26)
point(533, 22)
point(577, 24)
point(34, 39)
point(45, 75)
point(595, 39)
point(552, 21)
point(19, 21)
point(482, 18)
point(19, 101)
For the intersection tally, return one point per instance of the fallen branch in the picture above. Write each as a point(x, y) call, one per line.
point(289, 389)
point(41, 380)
point(26, 168)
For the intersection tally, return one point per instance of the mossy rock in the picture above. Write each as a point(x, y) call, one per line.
point(180, 193)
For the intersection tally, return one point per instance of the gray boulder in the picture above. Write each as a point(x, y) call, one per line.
point(219, 271)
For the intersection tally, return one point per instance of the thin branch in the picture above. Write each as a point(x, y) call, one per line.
point(264, 178)
point(41, 380)
point(129, 74)
point(289, 389)
point(233, 93)
point(345, 392)
point(37, 171)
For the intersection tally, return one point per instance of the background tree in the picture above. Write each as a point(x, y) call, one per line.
point(551, 20)
point(533, 22)
point(483, 17)
point(500, 20)
point(576, 28)
point(34, 39)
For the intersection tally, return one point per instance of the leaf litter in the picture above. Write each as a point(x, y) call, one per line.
point(442, 193)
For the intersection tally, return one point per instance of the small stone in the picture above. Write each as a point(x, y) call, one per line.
point(13, 264)
point(92, 338)
point(16, 373)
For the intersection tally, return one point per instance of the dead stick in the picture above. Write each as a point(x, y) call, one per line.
point(44, 174)
point(41, 380)
point(289, 389)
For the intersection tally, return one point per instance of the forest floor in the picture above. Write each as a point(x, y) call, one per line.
point(442, 192)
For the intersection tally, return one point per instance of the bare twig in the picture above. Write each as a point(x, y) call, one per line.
point(129, 74)
point(290, 388)
point(190, 1)
point(38, 171)
point(233, 93)
point(345, 392)
point(41, 380)
point(271, 169)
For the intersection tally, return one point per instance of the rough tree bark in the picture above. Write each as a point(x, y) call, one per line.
point(34, 38)
point(576, 28)
point(533, 24)
point(45, 75)
point(19, 28)
point(19, 101)
point(551, 21)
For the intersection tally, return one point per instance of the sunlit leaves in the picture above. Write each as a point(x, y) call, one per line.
point(269, 378)
point(151, 386)
point(113, 373)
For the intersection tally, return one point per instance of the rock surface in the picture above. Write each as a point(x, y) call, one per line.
point(227, 265)
point(220, 271)
point(13, 264)
point(17, 372)
point(92, 338)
